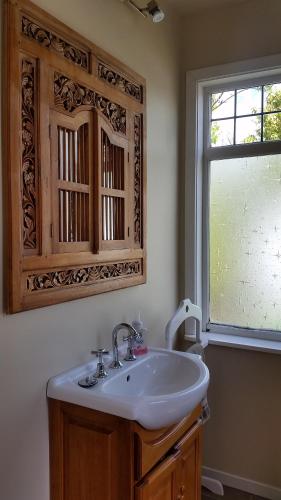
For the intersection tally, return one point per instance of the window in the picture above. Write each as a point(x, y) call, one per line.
point(245, 115)
point(235, 245)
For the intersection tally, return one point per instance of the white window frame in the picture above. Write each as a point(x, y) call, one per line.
point(199, 84)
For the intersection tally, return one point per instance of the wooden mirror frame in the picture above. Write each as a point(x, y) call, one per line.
point(50, 69)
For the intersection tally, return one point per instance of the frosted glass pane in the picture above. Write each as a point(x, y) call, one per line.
point(245, 242)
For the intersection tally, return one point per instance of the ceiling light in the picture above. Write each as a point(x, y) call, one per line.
point(152, 9)
point(155, 12)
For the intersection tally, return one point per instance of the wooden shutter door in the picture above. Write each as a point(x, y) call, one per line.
point(73, 166)
point(114, 188)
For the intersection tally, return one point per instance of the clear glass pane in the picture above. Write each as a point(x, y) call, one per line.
point(245, 242)
point(272, 127)
point(222, 105)
point(222, 132)
point(272, 97)
point(249, 101)
point(248, 129)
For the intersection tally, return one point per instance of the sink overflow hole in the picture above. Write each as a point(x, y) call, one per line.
point(128, 377)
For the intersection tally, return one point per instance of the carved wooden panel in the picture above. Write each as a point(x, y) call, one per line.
point(138, 179)
point(71, 95)
point(86, 275)
point(119, 81)
point(50, 40)
point(74, 164)
point(29, 153)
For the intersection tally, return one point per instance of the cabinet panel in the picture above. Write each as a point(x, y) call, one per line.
point(88, 462)
point(91, 456)
point(160, 484)
point(189, 465)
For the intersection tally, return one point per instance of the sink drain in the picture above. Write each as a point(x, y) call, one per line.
point(88, 382)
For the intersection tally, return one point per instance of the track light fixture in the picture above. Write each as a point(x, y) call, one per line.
point(152, 9)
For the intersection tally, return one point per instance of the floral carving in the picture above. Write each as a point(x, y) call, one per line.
point(70, 95)
point(116, 80)
point(48, 39)
point(138, 179)
point(29, 160)
point(85, 275)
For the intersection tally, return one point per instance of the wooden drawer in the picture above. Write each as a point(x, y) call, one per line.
point(161, 483)
point(151, 446)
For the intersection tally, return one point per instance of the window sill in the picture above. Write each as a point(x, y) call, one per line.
point(237, 342)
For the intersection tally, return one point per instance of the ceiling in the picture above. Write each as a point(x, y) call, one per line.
point(194, 5)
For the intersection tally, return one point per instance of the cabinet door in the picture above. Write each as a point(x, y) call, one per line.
point(91, 454)
point(188, 471)
point(160, 484)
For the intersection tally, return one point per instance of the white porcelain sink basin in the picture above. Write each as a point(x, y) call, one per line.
point(157, 390)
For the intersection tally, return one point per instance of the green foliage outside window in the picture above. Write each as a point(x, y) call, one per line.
point(271, 122)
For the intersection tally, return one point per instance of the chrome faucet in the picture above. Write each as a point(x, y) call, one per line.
point(133, 334)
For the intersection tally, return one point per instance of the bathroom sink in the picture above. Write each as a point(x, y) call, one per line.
point(156, 390)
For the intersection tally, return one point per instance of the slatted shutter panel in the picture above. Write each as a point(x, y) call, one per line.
point(114, 189)
point(72, 170)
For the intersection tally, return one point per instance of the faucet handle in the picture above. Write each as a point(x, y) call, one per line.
point(131, 338)
point(101, 372)
point(100, 353)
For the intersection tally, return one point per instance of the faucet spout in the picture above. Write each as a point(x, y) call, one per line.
point(116, 363)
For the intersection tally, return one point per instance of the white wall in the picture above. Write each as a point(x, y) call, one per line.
point(38, 344)
point(243, 436)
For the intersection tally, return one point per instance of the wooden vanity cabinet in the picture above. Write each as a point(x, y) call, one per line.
point(97, 456)
point(178, 474)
